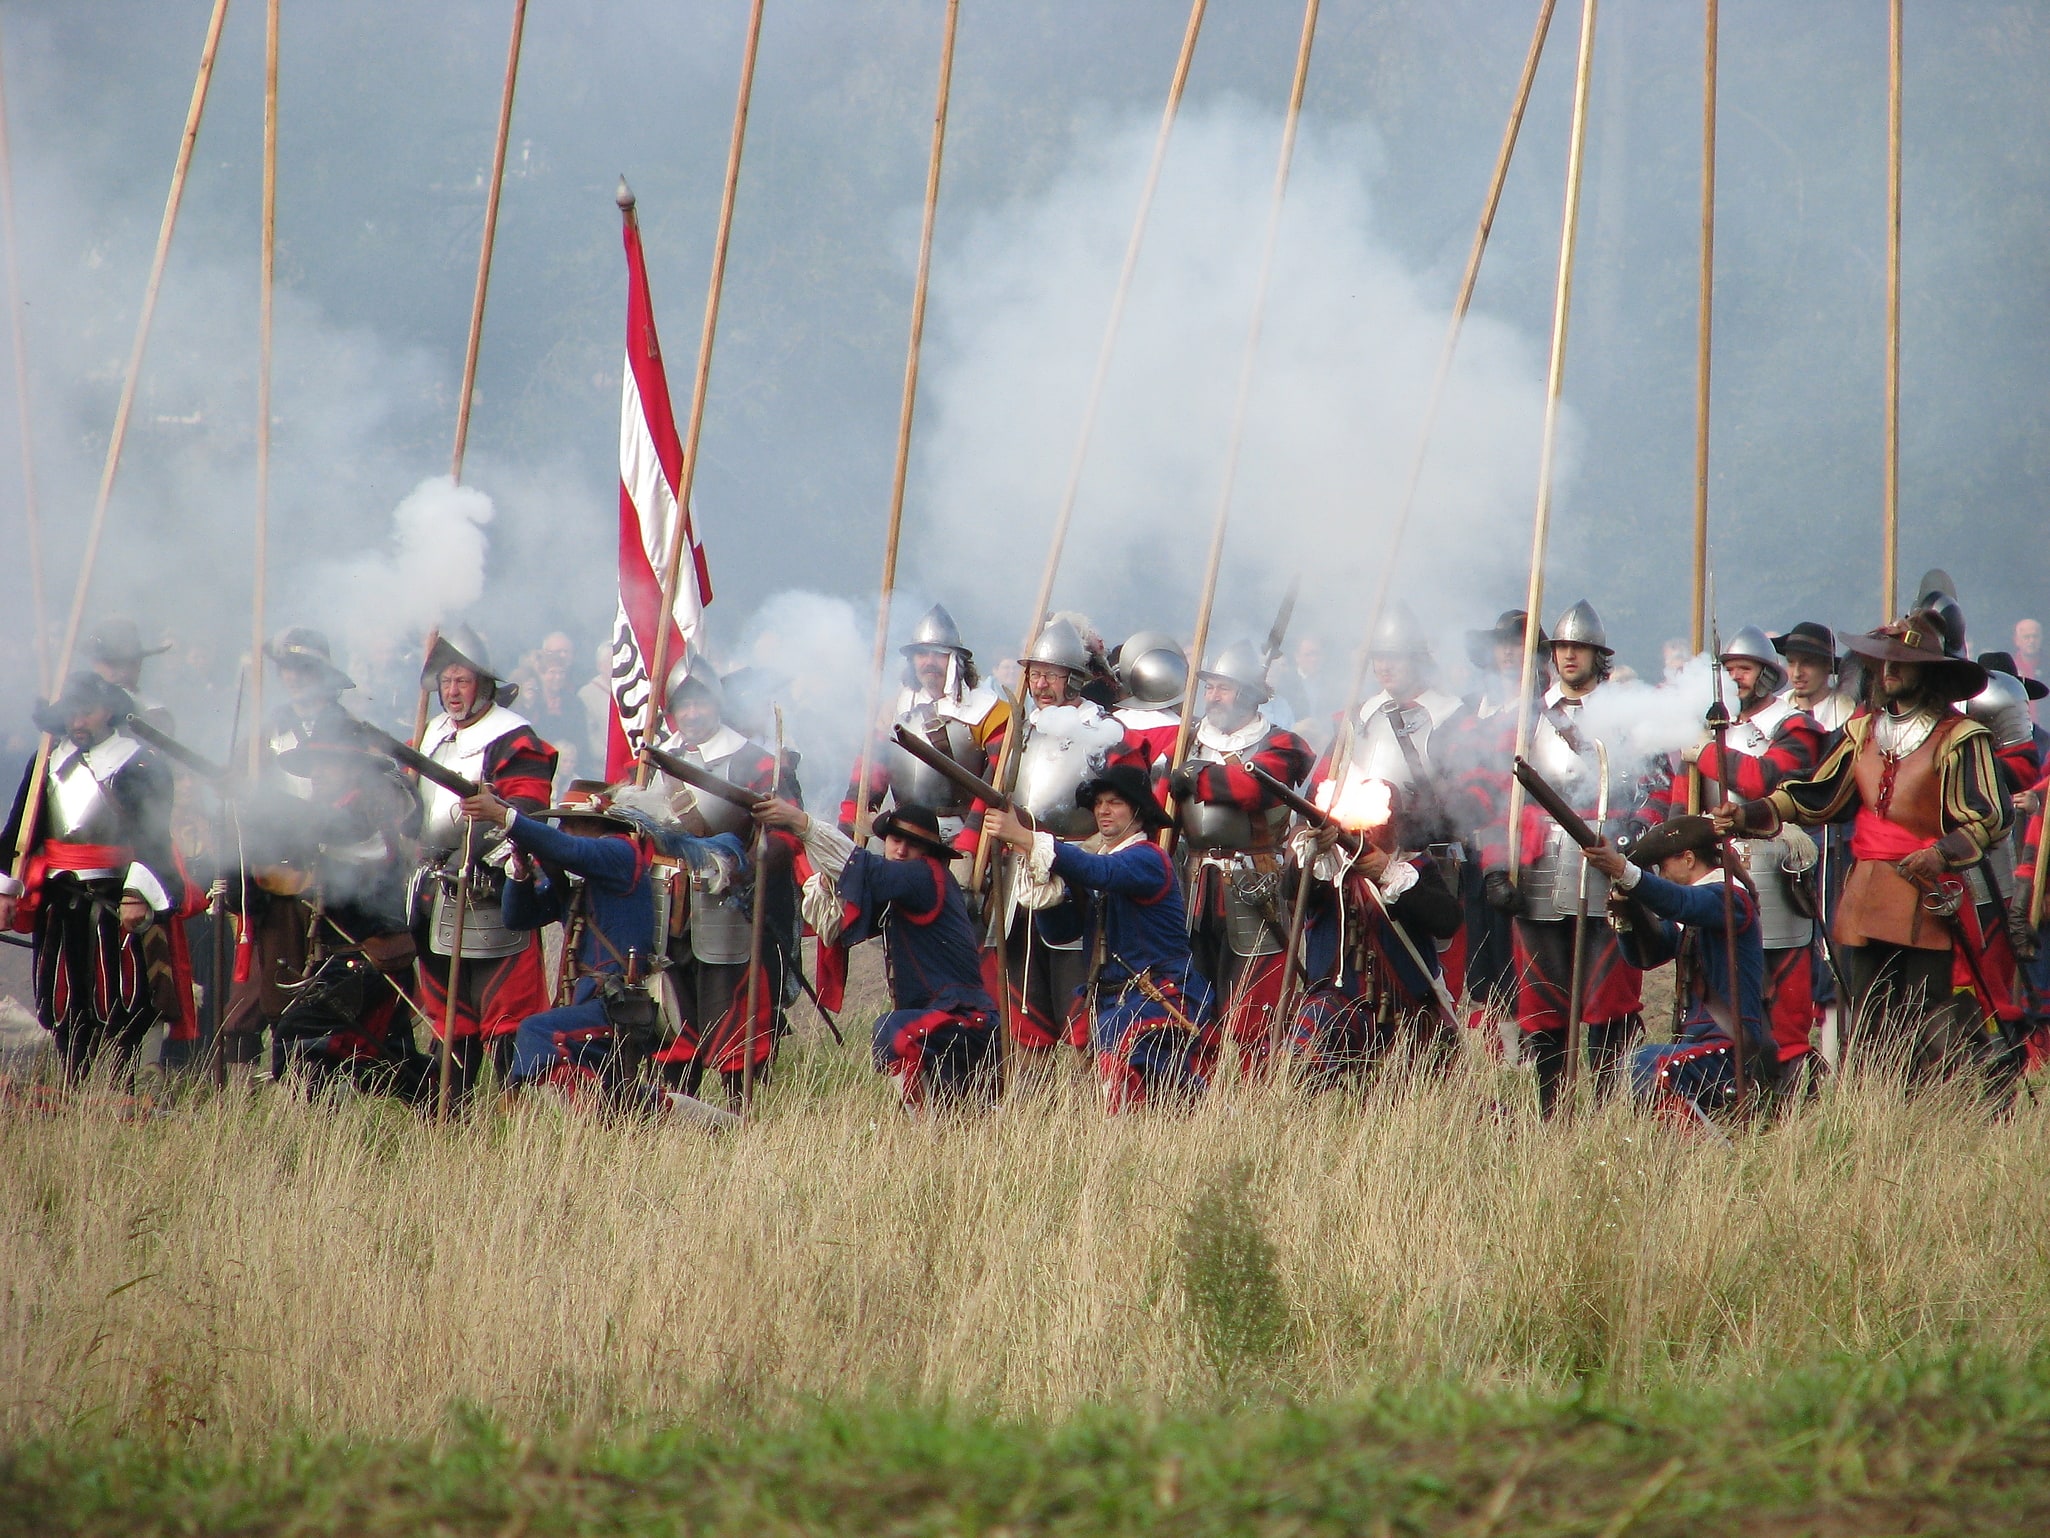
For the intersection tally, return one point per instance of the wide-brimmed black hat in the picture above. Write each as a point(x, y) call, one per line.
point(1676, 835)
point(118, 641)
point(1921, 638)
point(1481, 644)
point(83, 690)
point(300, 647)
point(1807, 639)
point(2003, 662)
point(1130, 786)
point(919, 824)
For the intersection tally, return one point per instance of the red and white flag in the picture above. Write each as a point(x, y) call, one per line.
point(650, 465)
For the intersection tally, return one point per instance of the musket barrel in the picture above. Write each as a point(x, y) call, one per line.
point(962, 779)
point(1555, 806)
point(172, 748)
point(701, 779)
point(412, 758)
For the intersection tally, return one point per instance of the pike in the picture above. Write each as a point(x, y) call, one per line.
point(1354, 845)
point(701, 779)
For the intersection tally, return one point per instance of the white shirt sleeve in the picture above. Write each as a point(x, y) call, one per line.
point(1036, 886)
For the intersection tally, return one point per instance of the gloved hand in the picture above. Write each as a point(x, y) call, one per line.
point(2019, 930)
point(1502, 894)
point(1183, 781)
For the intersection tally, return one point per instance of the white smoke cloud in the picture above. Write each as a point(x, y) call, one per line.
point(1640, 720)
point(1349, 345)
point(813, 653)
point(431, 569)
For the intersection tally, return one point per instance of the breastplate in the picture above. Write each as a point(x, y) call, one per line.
point(81, 811)
point(913, 782)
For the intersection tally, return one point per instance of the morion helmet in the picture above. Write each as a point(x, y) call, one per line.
point(1399, 634)
point(1581, 626)
point(1059, 644)
point(460, 645)
point(693, 669)
point(1153, 669)
point(936, 632)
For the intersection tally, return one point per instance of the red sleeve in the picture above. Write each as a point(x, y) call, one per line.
point(1793, 754)
point(521, 768)
point(1284, 755)
point(878, 787)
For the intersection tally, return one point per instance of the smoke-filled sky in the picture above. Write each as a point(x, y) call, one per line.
point(387, 114)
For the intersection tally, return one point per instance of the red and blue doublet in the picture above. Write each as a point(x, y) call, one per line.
point(1148, 1007)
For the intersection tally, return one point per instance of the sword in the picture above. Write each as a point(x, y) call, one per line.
point(1943, 897)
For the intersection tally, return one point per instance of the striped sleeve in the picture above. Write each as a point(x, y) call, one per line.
point(1829, 791)
point(1976, 811)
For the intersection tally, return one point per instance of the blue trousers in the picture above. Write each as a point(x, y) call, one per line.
point(534, 1051)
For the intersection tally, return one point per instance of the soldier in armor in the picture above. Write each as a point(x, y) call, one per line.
point(1065, 739)
point(99, 884)
point(711, 934)
point(503, 977)
point(1144, 1003)
point(945, 701)
point(935, 1040)
point(279, 844)
point(1920, 917)
point(1153, 675)
point(1232, 845)
point(117, 654)
point(1770, 742)
point(1544, 900)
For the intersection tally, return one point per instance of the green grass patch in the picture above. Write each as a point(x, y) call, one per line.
point(1956, 1446)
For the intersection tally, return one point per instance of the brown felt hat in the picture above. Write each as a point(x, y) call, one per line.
point(1921, 638)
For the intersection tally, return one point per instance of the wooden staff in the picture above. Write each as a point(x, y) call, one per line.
point(672, 566)
point(1208, 600)
point(862, 811)
point(1464, 301)
point(1707, 329)
point(476, 336)
point(455, 980)
point(1889, 561)
point(1116, 317)
point(756, 936)
point(265, 290)
point(31, 515)
point(1555, 379)
point(32, 808)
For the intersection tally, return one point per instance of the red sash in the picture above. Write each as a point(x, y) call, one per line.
point(57, 854)
point(1873, 837)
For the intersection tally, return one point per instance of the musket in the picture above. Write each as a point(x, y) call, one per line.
point(1555, 806)
point(214, 774)
point(962, 778)
point(412, 758)
point(1719, 725)
point(1354, 845)
point(701, 779)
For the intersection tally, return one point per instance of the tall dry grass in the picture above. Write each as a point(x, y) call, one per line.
point(257, 1262)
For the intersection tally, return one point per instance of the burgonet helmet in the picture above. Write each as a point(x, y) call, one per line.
point(1751, 644)
point(1060, 645)
point(936, 631)
point(693, 670)
point(1240, 664)
point(1153, 669)
point(1399, 634)
point(1581, 626)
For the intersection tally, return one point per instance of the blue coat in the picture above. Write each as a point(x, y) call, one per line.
point(930, 951)
point(1139, 910)
point(1691, 917)
point(618, 896)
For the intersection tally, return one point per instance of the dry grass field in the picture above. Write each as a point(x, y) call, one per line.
point(243, 1266)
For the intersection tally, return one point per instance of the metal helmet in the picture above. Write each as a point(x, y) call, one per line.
point(693, 668)
point(1752, 644)
point(1950, 616)
point(1153, 669)
point(459, 645)
point(1399, 634)
point(2003, 705)
point(1060, 644)
point(1581, 626)
point(936, 632)
point(1241, 664)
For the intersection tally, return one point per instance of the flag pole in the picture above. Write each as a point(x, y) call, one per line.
point(31, 514)
point(265, 291)
point(672, 566)
point(1555, 379)
point(122, 411)
point(1889, 560)
point(904, 415)
point(1207, 603)
point(1705, 336)
point(1448, 350)
point(476, 335)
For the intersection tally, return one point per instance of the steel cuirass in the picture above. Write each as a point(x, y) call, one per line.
point(721, 932)
point(81, 811)
point(1064, 745)
point(1551, 883)
point(912, 782)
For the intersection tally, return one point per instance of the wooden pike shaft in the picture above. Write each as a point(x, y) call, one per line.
point(1207, 603)
point(1446, 353)
point(904, 416)
point(1114, 320)
point(455, 980)
point(476, 334)
point(687, 470)
point(756, 935)
point(2036, 887)
point(265, 291)
point(31, 514)
point(1889, 561)
point(1555, 379)
point(1705, 336)
point(122, 411)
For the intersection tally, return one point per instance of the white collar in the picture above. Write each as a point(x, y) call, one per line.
point(1436, 703)
point(1250, 735)
point(717, 748)
point(1557, 695)
point(487, 728)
